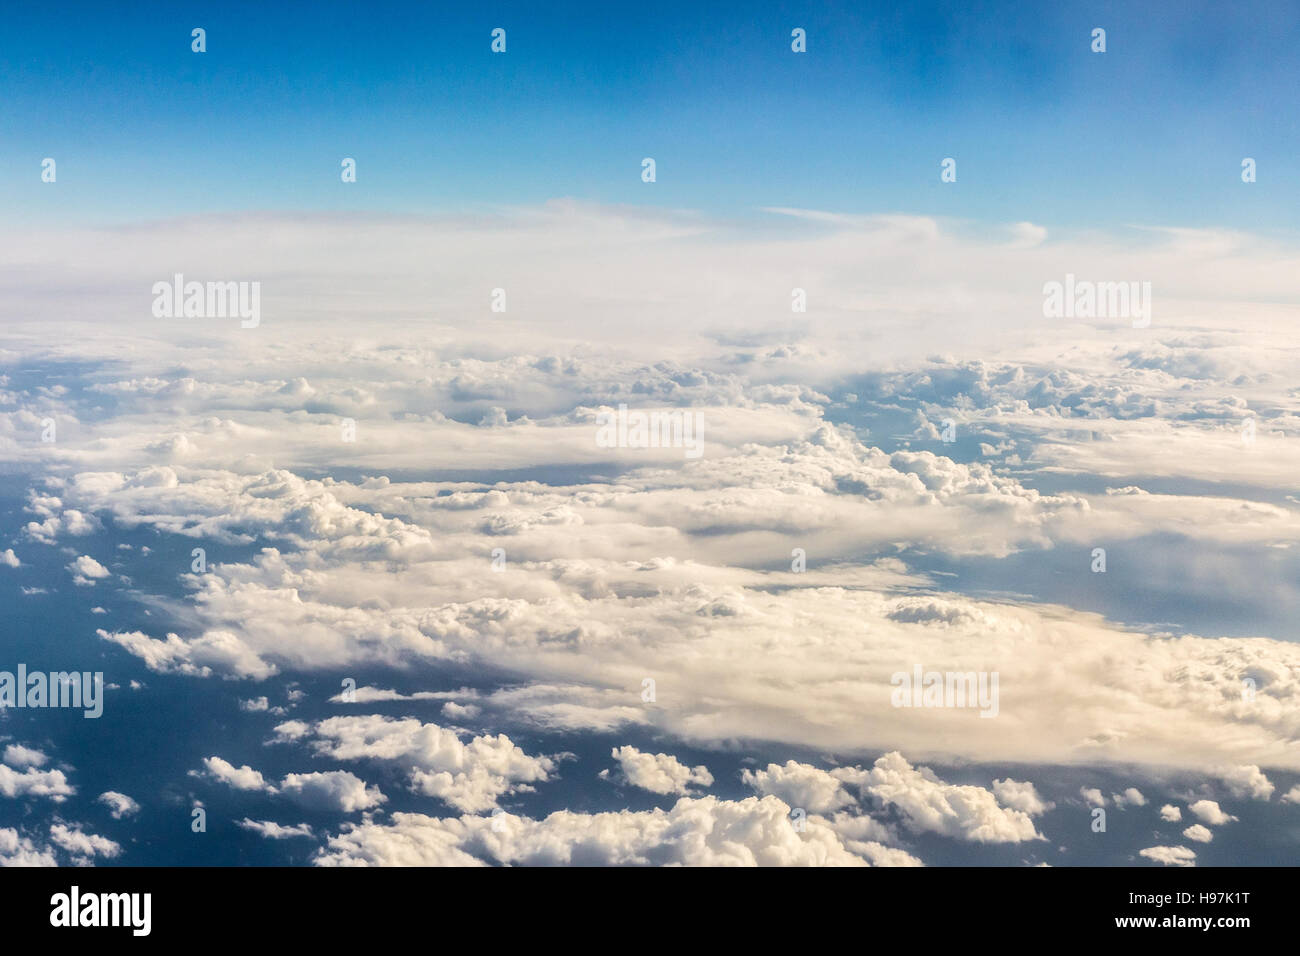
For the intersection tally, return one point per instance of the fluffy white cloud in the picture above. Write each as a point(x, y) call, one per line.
point(336, 790)
point(219, 651)
point(81, 844)
point(1208, 811)
point(19, 850)
point(1130, 797)
point(16, 755)
point(1020, 796)
point(275, 831)
point(1170, 855)
point(1170, 813)
point(1198, 833)
point(241, 778)
point(119, 804)
point(658, 773)
point(702, 831)
point(625, 564)
point(800, 785)
point(35, 783)
point(469, 776)
point(1246, 781)
point(86, 570)
point(929, 804)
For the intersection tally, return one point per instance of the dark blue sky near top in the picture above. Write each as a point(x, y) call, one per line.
point(1043, 129)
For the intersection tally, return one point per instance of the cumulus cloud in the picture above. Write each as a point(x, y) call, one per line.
point(222, 652)
point(1020, 796)
point(625, 563)
point(119, 804)
point(1208, 811)
point(1246, 781)
point(1198, 833)
point(927, 803)
point(19, 850)
point(468, 776)
point(275, 831)
point(83, 845)
point(336, 790)
point(333, 790)
point(800, 785)
point(1130, 797)
point(86, 570)
point(16, 755)
point(1170, 855)
point(703, 831)
point(658, 773)
point(35, 783)
point(1170, 813)
point(1092, 796)
point(241, 778)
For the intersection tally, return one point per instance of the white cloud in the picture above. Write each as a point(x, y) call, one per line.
point(16, 755)
point(658, 773)
point(1130, 797)
point(275, 831)
point(219, 651)
point(1170, 813)
point(1020, 796)
point(469, 776)
point(86, 570)
point(81, 844)
point(1198, 833)
point(9, 559)
point(679, 569)
point(1208, 811)
point(800, 785)
point(241, 778)
point(19, 850)
point(290, 730)
point(929, 804)
point(331, 790)
point(35, 783)
point(704, 831)
point(1170, 855)
point(119, 804)
point(1246, 781)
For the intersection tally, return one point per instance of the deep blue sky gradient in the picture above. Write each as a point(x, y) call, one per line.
point(1151, 132)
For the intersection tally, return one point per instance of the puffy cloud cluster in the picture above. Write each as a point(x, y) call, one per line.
point(769, 588)
point(470, 777)
point(658, 773)
point(334, 790)
point(703, 831)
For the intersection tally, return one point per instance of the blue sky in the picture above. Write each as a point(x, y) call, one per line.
point(1153, 131)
